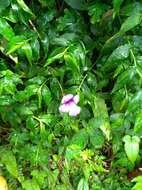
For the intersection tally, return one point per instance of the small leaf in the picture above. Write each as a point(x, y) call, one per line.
point(131, 147)
point(8, 158)
point(83, 185)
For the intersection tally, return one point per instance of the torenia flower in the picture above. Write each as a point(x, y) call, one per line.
point(69, 104)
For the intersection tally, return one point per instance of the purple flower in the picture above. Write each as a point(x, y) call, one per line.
point(69, 104)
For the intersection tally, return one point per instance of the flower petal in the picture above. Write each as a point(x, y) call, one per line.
point(66, 98)
point(64, 108)
point(74, 110)
point(76, 99)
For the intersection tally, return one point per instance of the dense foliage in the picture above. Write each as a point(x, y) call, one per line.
point(50, 48)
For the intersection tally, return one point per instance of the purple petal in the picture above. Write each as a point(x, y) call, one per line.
point(74, 110)
point(66, 98)
point(64, 108)
point(76, 99)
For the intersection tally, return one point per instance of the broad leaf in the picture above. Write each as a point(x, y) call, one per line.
point(5, 29)
point(130, 23)
point(4, 4)
point(131, 147)
point(8, 158)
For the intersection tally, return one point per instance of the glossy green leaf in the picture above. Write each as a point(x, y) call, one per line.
point(83, 185)
point(28, 52)
point(35, 46)
point(131, 147)
point(46, 94)
point(135, 101)
point(15, 43)
point(123, 79)
point(22, 4)
point(120, 53)
point(57, 54)
point(5, 29)
point(8, 158)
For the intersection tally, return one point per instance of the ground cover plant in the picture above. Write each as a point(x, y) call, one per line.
point(70, 94)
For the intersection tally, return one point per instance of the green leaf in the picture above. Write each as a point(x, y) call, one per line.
point(120, 53)
point(124, 78)
point(72, 63)
point(132, 8)
point(79, 4)
point(138, 123)
point(101, 114)
point(30, 185)
point(80, 139)
point(5, 29)
point(96, 138)
point(6, 100)
point(83, 185)
point(15, 43)
point(57, 54)
point(35, 49)
point(24, 7)
point(130, 23)
point(96, 11)
point(47, 119)
point(46, 94)
point(131, 147)
point(116, 5)
point(135, 102)
point(8, 158)
point(138, 181)
point(28, 52)
point(4, 4)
